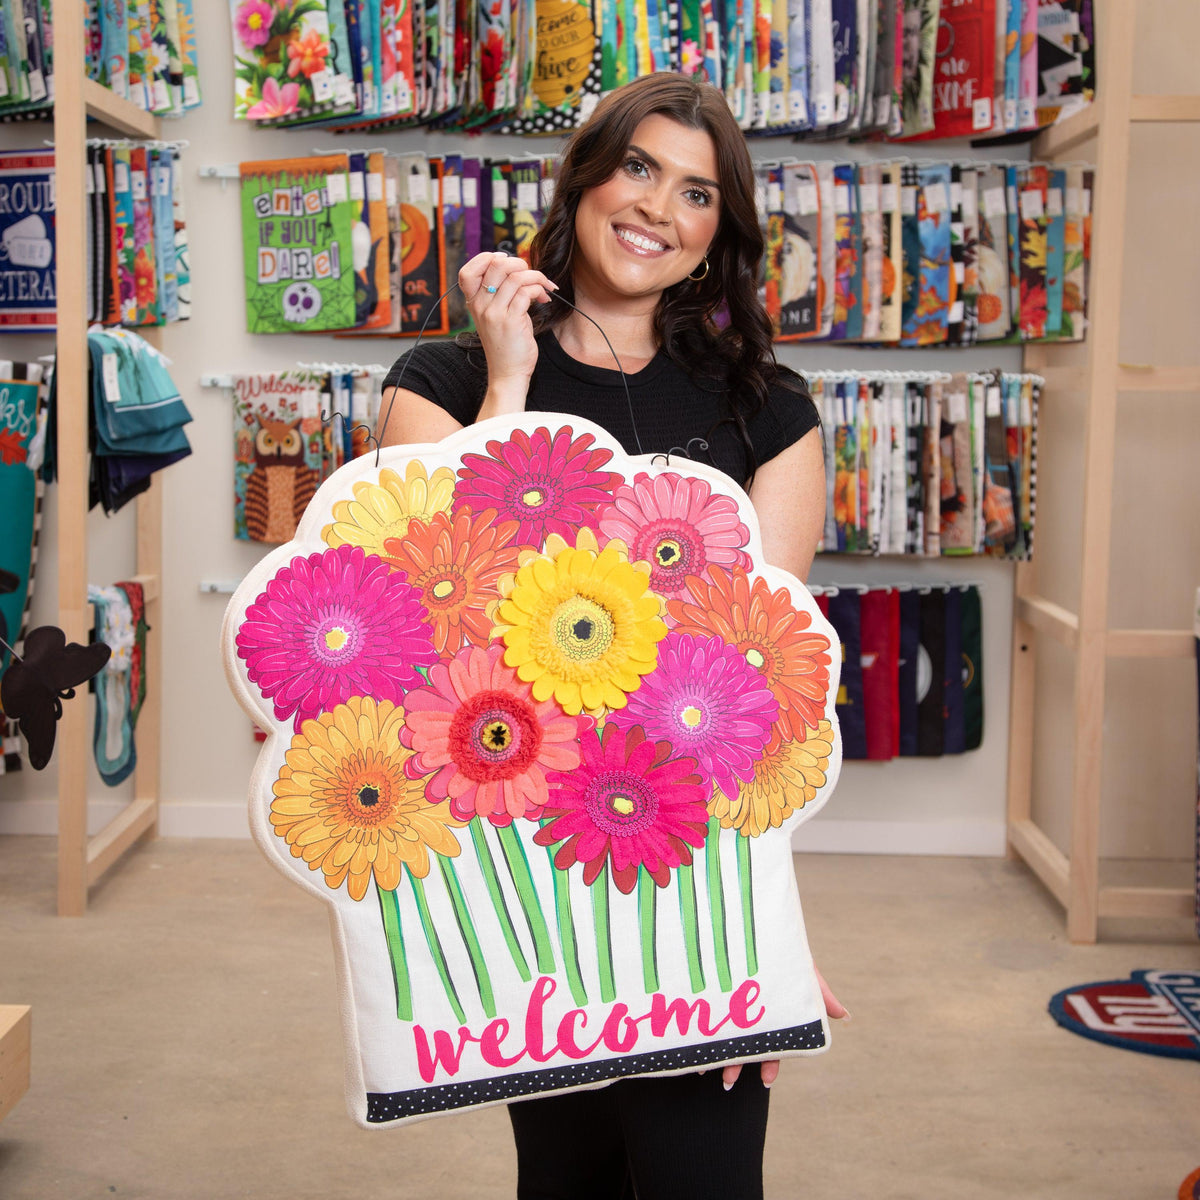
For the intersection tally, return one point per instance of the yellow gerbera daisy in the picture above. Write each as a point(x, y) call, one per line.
point(383, 510)
point(579, 623)
point(785, 779)
point(344, 804)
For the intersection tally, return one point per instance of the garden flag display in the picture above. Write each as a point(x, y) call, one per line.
point(541, 721)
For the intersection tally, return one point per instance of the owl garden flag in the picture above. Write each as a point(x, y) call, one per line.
point(541, 723)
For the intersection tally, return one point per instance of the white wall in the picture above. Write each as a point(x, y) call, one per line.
point(932, 806)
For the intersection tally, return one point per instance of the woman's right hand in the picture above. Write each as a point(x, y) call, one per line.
point(499, 290)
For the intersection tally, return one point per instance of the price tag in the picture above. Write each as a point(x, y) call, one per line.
point(343, 91)
point(1087, 201)
point(1027, 112)
point(889, 197)
point(162, 181)
point(824, 111)
point(499, 193)
point(322, 86)
point(37, 86)
point(118, 83)
point(162, 97)
point(112, 384)
point(868, 197)
point(981, 113)
point(357, 188)
point(808, 199)
point(797, 109)
point(336, 186)
point(956, 407)
point(470, 192)
point(1032, 207)
point(993, 202)
point(91, 177)
point(452, 191)
point(101, 178)
point(418, 188)
point(970, 205)
point(791, 202)
point(936, 200)
point(374, 186)
point(547, 186)
point(778, 113)
point(392, 191)
point(1074, 199)
point(527, 195)
point(120, 177)
point(1026, 407)
point(1054, 202)
point(841, 109)
point(992, 402)
point(1010, 116)
point(191, 91)
point(774, 197)
point(908, 201)
point(841, 198)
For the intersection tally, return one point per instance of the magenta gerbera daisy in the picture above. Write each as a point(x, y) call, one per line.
point(678, 526)
point(710, 704)
point(484, 741)
point(628, 804)
point(334, 625)
point(549, 484)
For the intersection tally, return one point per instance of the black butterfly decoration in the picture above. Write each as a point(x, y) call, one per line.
point(35, 685)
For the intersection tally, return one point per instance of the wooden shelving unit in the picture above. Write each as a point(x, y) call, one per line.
point(1074, 878)
point(83, 860)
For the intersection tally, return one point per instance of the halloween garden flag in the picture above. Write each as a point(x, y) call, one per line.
point(800, 254)
point(297, 229)
point(556, 854)
point(421, 257)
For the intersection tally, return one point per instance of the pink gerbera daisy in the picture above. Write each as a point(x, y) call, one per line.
point(710, 704)
point(678, 526)
point(629, 804)
point(253, 22)
point(331, 626)
point(549, 484)
point(484, 740)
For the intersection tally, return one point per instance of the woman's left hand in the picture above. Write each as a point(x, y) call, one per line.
point(770, 1069)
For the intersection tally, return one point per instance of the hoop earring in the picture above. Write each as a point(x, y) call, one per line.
point(703, 274)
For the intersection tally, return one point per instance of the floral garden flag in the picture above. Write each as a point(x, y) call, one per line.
point(541, 721)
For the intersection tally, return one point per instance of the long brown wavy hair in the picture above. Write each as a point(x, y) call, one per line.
point(738, 355)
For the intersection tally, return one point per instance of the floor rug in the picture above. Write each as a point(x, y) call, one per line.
point(1156, 1012)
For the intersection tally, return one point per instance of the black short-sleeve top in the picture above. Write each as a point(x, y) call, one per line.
point(669, 408)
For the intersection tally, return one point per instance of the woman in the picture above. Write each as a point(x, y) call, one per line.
point(652, 231)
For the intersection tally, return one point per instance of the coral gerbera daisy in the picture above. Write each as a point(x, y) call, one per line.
point(678, 526)
point(710, 704)
point(381, 511)
point(456, 563)
point(344, 803)
point(333, 625)
point(629, 804)
point(549, 484)
point(481, 739)
point(786, 778)
point(579, 623)
point(775, 638)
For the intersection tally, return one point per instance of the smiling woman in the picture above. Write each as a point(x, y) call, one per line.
point(648, 262)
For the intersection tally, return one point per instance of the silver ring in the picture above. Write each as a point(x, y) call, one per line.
point(491, 291)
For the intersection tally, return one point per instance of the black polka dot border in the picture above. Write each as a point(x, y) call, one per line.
point(395, 1106)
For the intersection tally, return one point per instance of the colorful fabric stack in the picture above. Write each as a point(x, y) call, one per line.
point(818, 68)
point(931, 255)
point(137, 241)
point(143, 50)
point(287, 441)
point(927, 463)
point(912, 669)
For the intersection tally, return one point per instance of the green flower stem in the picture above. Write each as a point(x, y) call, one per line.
point(604, 960)
point(716, 903)
point(745, 884)
point(691, 925)
point(488, 867)
point(435, 948)
point(466, 927)
point(518, 867)
point(646, 891)
point(566, 932)
point(389, 905)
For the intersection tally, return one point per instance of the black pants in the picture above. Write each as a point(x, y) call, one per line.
point(677, 1138)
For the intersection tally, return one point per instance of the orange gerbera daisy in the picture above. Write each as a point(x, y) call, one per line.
point(456, 563)
point(774, 636)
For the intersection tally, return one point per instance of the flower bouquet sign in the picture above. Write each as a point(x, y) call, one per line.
point(542, 721)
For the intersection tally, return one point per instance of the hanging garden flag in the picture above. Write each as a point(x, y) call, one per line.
point(27, 240)
point(297, 221)
point(541, 722)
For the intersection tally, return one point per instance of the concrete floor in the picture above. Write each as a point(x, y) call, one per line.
point(186, 1046)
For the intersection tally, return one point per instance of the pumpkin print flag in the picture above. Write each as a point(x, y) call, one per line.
point(541, 720)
